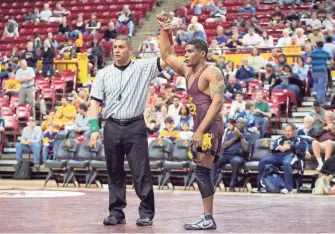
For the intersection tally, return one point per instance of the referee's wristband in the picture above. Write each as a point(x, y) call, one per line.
point(94, 125)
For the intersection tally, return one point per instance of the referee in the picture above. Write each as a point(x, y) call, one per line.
point(123, 87)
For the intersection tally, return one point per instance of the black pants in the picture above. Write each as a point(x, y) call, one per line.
point(130, 141)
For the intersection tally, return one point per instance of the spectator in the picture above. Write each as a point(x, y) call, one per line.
point(152, 96)
point(269, 77)
point(79, 42)
point(150, 122)
point(256, 61)
point(32, 17)
point(81, 125)
point(292, 47)
point(82, 97)
point(235, 42)
point(126, 19)
point(214, 47)
point(307, 132)
point(186, 133)
point(285, 39)
point(194, 22)
point(48, 55)
point(48, 142)
point(53, 42)
point(162, 116)
point(168, 94)
point(11, 28)
point(316, 36)
point(221, 64)
point(247, 9)
point(237, 106)
point(142, 50)
point(30, 55)
point(262, 113)
point(328, 22)
point(301, 37)
point(314, 22)
point(321, 12)
point(253, 22)
point(235, 147)
point(38, 43)
point(197, 33)
point(253, 3)
point(67, 47)
point(248, 116)
point(251, 38)
point(308, 50)
point(51, 120)
point(164, 76)
point(184, 116)
point(232, 87)
point(197, 5)
point(30, 142)
point(46, 13)
point(98, 51)
point(293, 15)
point(64, 28)
point(110, 33)
point(301, 69)
point(93, 25)
point(325, 142)
point(329, 46)
point(274, 58)
point(277, 17)
point(330, 33)
point(218, 14)
point(6, 70)
point(282, 61)
point(58, 13)
point(284, 149)
point(152, 51)
point(319, 58)
point(318, 114)
point(170, 132)
point(12, 86)
point(175, 21)
point(229, 70)
point(174, 108)
point(210, 59)
point(79, 27)
point(220, 37)
point(239, 22)
point(26, 76)
point(245, 73)
point(266, 40)
point(66, 112)
point(182, 36)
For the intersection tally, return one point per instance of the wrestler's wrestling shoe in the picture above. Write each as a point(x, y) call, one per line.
point(206, 222)
point(112, 220)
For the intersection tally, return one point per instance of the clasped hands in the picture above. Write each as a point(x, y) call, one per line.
point(164, 21)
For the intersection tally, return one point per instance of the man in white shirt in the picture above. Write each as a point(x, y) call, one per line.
point(174, 108)
point(237, 106)
point(152, 51)
point(314, 22)
point(251, 38)
point(46, 13)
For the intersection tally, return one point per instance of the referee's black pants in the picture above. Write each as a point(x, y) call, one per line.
point(130, 140)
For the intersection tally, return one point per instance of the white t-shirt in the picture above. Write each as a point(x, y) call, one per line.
point(45, 15)
point(282, 42)
point(313, 23)
point(235, 105)
point(186, 135)
point(251, 40)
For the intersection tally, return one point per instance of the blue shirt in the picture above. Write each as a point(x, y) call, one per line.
point(243, 74)
point(319, 58)
point(237, 148)
point(248, 117)
point(298, 146)
point(200, 34)
point(233, 89)
point(221, 39)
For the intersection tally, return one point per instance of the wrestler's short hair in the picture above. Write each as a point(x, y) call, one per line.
point(199, 45)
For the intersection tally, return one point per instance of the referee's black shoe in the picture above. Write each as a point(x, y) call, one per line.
point(112, 220)
point(144, 222)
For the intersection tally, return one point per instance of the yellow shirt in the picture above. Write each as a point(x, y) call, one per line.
point(201, 2)
point(292, 49)
point(67, 110)
point(46, 123)
point(12, 84)
point(79, 41)
point(173, 134)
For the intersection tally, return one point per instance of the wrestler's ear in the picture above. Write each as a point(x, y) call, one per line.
point(203, 54)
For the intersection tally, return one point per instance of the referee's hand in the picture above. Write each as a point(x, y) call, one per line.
point(93, 140)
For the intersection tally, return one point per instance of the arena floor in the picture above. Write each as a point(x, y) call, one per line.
point(32, 209)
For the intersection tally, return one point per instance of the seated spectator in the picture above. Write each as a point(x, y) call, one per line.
point(255, 60)
point(277, 17)
point(81, 125)
point(318, 114)
point(284, 150)
point(164, 76)
point(307, 132)
point(30, 55)
point(93, 25)
point(30, 142)
point(12, 86)
point(170, 132)
point(6, 70)
point(32, 16)
point(197, 5)
point(98, 51)
point(308, 50)
point(249, 118)
point(285, 39)
point(38, 43)
point(301, 69)
point(79, 42)
point(67, 47)
point(245, 73)
point(48, 142)
point(175, 21)
point(237, 106)
point(126, 19)
point(262, 113)
point(292, 47)
point(79, 27)
point(266, 40)
point(328, 22)
point(185, 133)
point(152, 96)
point(251, 38)
point(329, 46)
point(51, 119)
point(82, 97)
point(235, 42)
point(64, 27)
point(232, 87)
point(301, 37)
point(210, 58)
point(253, 22)
point(66, 112)
point(314, 21)
point(11, 28)
point(150, 121)
point(184, 116)
point(193, 23)
point(236, 147)
point(174, 108)
point(162, 115)
point(218, 14)
point(247, 9)
point(273, 59)
point(325, 143)
point(48, 55)
point(142, 50)
point(110, 33)
point(321, 12)
point(229, 70)
point(215, 48)
point(253, 3)
point(221, 64)
point(182, 36)
point(293, 15)
point(58, 13)
point(169, 94)
point(239, 21)
point(152, 51)
point(220, 37)
point(269, 77)
point(197, 33)
point(46, 13)
point(282, 61)
point(316, 36)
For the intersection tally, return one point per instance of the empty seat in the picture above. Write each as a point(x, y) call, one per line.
point(98, 168)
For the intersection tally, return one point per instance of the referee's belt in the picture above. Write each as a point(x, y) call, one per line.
point(125, 122)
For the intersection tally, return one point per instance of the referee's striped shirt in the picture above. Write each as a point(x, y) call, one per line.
point(125, 92)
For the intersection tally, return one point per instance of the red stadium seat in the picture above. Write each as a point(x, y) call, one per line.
point(14, 101)
point(12, 124)
point(107, 48)
point(59, 84)
point(69, 76)
point(49, 94)
point(6, 109)
point(23, 111)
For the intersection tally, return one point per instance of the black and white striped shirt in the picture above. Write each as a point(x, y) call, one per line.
point(125, 92)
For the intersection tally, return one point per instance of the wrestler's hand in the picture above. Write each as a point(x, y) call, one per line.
point(197, 138)
point(162, 18)
point(93, 139)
